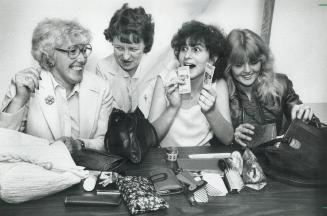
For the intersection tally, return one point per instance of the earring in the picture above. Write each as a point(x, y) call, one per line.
point(51, 65)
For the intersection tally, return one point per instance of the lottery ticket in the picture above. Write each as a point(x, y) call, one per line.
point(208, 74)
point(184, 76)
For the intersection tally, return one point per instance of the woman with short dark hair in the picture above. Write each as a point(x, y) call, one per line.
point(131, 32)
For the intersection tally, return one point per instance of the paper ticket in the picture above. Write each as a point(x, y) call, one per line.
point(208, 74)
point(184, 76)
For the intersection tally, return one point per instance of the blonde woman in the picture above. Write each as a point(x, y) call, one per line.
point(258, 95)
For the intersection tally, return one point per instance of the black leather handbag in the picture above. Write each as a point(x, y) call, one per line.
point(130, 135)
point(98, 160)
point(304, 166)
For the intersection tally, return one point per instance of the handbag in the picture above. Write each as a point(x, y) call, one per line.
point(303, 166)
point(93, 159)
point(130, 135)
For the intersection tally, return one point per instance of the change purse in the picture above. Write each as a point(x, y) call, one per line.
point(139, 194)
point(165, 181)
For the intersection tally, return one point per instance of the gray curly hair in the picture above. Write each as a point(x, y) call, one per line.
point(52, 33)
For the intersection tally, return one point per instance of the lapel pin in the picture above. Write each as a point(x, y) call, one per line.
point(49, 100)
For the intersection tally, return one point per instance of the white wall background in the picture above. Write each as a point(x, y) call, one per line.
point(19, 17)
point(299, 44)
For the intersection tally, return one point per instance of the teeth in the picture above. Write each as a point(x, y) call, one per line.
point(247, 77)
point(77, 68)
point(190, 65)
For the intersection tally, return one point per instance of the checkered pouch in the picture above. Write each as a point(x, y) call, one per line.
point(201, 196)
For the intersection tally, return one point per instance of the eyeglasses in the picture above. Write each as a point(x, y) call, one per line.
point(74, 50)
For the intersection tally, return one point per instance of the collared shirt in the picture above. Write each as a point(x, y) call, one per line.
point(254, 111)
point(126, 90)
point(68, 107)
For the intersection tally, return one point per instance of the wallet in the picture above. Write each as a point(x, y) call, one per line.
point(262, 134)
point(165, 181)
point(99, 200)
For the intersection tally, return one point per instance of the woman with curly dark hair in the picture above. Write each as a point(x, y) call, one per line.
point(131, 32)
point(192, 119)
point(259, 97)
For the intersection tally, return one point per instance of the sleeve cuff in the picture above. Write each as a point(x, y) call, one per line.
point(12, 120)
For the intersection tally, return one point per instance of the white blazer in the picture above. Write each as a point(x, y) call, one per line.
point(42, 119)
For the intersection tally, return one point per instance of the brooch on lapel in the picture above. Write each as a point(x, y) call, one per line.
point(145, 97)
point(49, 99)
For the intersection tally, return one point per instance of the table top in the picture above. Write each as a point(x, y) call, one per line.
point(274, 199)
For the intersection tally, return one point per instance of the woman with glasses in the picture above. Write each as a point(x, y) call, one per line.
point(131, 32)
point(259, 97)
point(194, 118)
point(59, 100)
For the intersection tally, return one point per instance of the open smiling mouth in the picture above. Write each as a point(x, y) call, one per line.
point(77, 67)
point(189, 65)
point(247, 76)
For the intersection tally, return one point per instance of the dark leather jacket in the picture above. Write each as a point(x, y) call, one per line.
point(276, 112)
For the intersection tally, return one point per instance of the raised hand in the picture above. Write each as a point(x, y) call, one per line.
point(27, 81)
point(172, 93)
point(207, 98)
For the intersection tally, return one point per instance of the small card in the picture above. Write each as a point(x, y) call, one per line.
point(208, 74)
point(184, 76)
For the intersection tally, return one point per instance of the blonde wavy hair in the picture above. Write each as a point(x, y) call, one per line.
point(53, 33)
point(247, 46)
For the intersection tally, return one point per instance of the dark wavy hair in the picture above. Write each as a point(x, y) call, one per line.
point(213, 38)
point(131, 25)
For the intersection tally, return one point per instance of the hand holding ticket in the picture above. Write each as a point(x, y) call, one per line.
point(208, 74)
point(184, 76)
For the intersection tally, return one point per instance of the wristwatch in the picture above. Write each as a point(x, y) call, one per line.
point(82, 144)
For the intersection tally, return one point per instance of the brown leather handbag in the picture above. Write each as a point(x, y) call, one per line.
point(130, 135)
point(304, 166)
